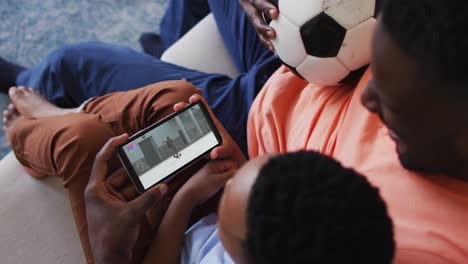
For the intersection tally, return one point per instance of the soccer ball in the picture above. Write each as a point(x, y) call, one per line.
point(323, 41)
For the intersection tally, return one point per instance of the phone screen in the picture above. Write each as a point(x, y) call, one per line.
point(168, 146)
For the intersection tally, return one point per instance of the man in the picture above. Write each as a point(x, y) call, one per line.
point(429, 211)
point(417, 95)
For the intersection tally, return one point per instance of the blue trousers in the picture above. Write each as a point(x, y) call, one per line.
point(74, 73)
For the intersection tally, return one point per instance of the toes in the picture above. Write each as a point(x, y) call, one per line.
point(12, 91)
point(22, 90)
point(16, 93)
point(6, 121)
point(9, 116)
point(6, 114)
point(9, 113)
point(11, 107)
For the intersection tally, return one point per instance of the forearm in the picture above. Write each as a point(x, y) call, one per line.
point(167, 245)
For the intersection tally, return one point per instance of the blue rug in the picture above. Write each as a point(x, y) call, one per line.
point(30, 29)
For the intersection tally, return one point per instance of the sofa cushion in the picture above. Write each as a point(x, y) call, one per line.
point(193, 51)
point(37, 223)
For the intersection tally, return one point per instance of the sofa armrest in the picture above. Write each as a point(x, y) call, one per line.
point(193, 51)
point(36, 218)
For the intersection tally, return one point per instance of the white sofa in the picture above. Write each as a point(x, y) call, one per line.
point(36, 221)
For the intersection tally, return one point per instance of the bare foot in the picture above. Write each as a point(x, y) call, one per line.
point(30, 103)
point(10, 117)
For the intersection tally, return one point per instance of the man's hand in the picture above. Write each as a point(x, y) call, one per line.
point(229, 149)
point(113, 224)
point(254, 9)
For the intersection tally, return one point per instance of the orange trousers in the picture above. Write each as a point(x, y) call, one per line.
point(65, 146)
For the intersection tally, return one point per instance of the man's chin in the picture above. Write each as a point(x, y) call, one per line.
point(421, 162)
point(409, 162)
point(415, 165)
point(406, 162)
point(404, 158)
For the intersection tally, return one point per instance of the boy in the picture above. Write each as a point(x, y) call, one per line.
point(293, 208)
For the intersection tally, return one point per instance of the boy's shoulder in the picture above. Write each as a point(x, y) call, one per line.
point(202, 243)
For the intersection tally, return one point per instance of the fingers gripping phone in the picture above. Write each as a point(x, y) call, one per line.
point(169, 146)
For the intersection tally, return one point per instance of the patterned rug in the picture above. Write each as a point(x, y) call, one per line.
point(30, 29)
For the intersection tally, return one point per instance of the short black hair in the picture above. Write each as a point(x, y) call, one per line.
point(306, 208)
point(433, 33)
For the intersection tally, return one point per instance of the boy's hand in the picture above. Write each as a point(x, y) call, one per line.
point(207, 182)
point(229, 149)
point(254, 9)
point(113, 224)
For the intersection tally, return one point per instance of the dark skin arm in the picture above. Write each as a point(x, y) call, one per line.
point(113, 224)
point(167, 245)
point(254, 9)
point(205, 183)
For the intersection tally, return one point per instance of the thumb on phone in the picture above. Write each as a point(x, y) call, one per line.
point(99, 171)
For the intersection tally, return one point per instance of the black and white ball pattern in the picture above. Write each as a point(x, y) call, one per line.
point(324, 41)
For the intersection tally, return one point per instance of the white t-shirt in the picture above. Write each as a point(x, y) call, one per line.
point(203, 245)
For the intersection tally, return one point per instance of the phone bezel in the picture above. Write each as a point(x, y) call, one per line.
point(128, 166)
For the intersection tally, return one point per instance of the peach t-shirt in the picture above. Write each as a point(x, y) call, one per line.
point(430, 213)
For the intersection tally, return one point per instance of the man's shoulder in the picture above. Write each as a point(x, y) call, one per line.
point(289, 109)
point(279, 93)
point(285, 90)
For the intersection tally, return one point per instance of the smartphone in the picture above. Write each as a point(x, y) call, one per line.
point(164, 149)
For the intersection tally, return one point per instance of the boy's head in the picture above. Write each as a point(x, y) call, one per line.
point(420, 83)
point(303, 208)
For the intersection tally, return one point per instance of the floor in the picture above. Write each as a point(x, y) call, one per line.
point(30, 29)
